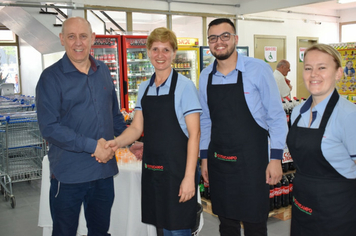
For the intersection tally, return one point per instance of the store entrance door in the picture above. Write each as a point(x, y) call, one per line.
point(262, 42)
point(302, 44)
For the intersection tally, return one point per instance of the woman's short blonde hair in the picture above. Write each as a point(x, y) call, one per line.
point(326, 49)
point(163, 35)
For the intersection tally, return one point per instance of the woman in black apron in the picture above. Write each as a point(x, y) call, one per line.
point(324, 201)
point(168, 112)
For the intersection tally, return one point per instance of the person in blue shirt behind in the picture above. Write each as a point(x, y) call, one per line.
point(321, 141)
point(16, 85)
point(242, 110)
point(167, 111)
point(349, 70)
point(78, 111)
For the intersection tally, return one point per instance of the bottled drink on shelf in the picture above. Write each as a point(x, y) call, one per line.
point(290, 179)
point(291, 165)
point(206, 190)
point(271, 197)
point(278, 195)
point(285, 191)
point(187, 74)
point(285, 167)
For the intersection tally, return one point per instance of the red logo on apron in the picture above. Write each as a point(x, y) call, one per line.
point(153, 167)
point(304, 209)
point(225, 158)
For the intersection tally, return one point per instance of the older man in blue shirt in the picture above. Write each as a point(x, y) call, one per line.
point(77, 112)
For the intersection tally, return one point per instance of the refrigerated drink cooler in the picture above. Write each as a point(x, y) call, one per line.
point(137, 67)
point(107, 48)
point(187, 59)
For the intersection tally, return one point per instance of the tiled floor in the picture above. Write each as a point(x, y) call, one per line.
point(23, 219)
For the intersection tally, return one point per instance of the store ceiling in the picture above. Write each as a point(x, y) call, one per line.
point(290, 6)
point(256, 6)
point(242, 7)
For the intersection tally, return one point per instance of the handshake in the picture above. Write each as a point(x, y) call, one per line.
point(105, 150)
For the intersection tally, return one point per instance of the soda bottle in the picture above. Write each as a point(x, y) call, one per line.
point(278, 195)
point(285, 191)
point(206, 190)
point(201, 186)
point(271, 197)
point(290, 178)
point(291, 165)
point(290, 113)
point(285, 167)
point(187, 74)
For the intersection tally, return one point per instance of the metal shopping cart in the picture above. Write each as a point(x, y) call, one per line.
point(21, 151)
point(15, 108)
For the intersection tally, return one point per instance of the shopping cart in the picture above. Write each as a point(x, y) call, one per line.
point(16, 108)
point(21, 151)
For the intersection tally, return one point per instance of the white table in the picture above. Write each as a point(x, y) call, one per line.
point(126, 209)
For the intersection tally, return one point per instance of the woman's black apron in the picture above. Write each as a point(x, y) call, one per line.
point(163, 164)
point(324, 201)
point(237, 155)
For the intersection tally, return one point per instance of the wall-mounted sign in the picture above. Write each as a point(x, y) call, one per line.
point(270, 53)
point(301, 54)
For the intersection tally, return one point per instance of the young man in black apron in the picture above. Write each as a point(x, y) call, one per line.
point(242, 109)
point(322, 144)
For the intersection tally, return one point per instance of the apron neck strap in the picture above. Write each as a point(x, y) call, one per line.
point(210, 79)
point(327, 113)
point(172, 86)
point(329, 109)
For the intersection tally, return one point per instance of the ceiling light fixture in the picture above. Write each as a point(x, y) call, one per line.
point(345, 1)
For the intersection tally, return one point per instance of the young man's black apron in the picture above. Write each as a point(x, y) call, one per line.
point(237, 155)
point(164, 163)
point(324, 201)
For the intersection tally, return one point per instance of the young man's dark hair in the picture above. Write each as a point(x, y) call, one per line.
point(220, 21)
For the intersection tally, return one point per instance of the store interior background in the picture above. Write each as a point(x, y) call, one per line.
point(288, 18)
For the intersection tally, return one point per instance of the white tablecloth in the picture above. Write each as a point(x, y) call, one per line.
point(126, 210)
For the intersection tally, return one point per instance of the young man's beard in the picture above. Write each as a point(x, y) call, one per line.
point(223, 56)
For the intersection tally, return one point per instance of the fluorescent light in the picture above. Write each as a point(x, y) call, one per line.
point(345, 1)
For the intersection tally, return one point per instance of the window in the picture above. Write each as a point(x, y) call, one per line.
point(188, 26)
point(7, 36)
point(9, 60)
point(144, 23)
point(348, 33)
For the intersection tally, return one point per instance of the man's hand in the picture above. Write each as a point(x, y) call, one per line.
point(204, 170)
point(103, 154)
point(112, 144)
point(274, 172)
point(186, 189)
point(137, 150)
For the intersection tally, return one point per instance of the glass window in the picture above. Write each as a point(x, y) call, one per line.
point(188, 26)
point(7, 36)
point(118, 17)
point(348, 33)
point(9, 70)
point(145, 23)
